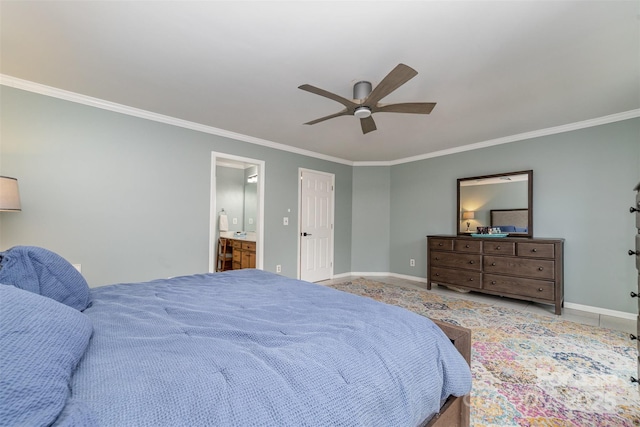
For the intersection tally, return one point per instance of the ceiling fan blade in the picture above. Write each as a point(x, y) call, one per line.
point(396, 78)
point(344, 101)
point(368, 125)
point(406, 107)
point(344, 112)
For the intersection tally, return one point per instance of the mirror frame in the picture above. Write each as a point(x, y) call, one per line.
point(529, 174)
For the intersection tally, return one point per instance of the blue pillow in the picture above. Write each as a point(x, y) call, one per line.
point(45, 273)
point(41, 342)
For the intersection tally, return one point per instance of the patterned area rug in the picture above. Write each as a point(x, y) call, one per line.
point(528, 369)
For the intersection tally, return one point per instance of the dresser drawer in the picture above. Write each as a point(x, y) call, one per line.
point(534, 268)
point(456, 277)
point(518, 286)
point(468, 246)
point(536, 250)
point(236, 244)
point(441, 244)
point(501, 248)
point(456, 260)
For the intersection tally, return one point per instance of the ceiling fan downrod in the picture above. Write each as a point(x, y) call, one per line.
point(360, 91)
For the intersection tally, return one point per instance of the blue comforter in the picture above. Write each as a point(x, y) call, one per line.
point(249, 348)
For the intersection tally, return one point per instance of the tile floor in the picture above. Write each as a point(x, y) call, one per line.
point(578, 316)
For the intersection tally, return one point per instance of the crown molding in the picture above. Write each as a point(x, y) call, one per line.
point(632, 114)
point(41, 89)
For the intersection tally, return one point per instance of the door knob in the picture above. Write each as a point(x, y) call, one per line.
point(633, 294)
point(306, 234)
point(633, 253)
point(632, 209)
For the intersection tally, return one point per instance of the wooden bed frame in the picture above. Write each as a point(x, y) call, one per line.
point(456, 410)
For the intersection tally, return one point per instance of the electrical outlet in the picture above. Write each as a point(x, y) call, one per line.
point(412, 262)
point(278, 268)
point(235, 221)
point(285, 220)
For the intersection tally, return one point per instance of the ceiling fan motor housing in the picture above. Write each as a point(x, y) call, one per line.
point(361, 90)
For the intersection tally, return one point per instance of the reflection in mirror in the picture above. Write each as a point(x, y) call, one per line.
point(237, 194)
point(250, 198)
point(497, 201)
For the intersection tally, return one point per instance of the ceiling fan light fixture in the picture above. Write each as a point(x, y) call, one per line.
point(362, 112)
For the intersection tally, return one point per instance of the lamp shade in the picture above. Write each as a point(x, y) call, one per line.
point(9, 195)
point(468, 215)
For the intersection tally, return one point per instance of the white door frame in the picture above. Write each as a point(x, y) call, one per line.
point(213, 213)
point(333, 209)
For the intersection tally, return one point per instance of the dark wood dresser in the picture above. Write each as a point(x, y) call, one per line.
point(521, 268)
point(634, 294)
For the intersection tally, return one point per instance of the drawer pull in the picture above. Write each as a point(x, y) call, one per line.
point(632, 209)
point(493, 282)
point(534, 250)
point(540, 289)
point(439, 244)
point(466, 246)
point(632, 337)
point(497, 248)
point(540, 268)
point(493, 264)
point(471, 262)
point(437, 274)
point(471, 279)
point(437, 259)
point(633, 253)
point(633, 294)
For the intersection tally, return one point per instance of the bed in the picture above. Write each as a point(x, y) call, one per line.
point(512, 221)
point(244, 347)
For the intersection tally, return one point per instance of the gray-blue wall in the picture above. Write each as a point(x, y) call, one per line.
point(371, 219)
point(128, 198)
point(582, 190)
point(230, 195)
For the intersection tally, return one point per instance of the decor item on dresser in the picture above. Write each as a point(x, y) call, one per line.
point(636, 211)
point(244, 347)
point(503, 200)
point(521, 268)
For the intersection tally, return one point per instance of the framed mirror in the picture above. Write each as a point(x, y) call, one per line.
point(503, 200)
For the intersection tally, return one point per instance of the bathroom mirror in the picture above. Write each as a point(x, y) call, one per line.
point(237, 194)
point(503, 200)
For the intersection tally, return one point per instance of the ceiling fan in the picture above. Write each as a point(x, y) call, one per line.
point(365, 101)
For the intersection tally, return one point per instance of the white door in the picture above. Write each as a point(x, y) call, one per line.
point(316, 225)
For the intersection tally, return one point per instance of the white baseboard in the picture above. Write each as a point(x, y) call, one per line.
point(599, 310)
point(571, 305)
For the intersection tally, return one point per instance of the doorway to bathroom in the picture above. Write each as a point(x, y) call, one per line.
point(237, 193)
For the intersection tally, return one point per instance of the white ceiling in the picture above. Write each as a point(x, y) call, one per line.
point(495, 68)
